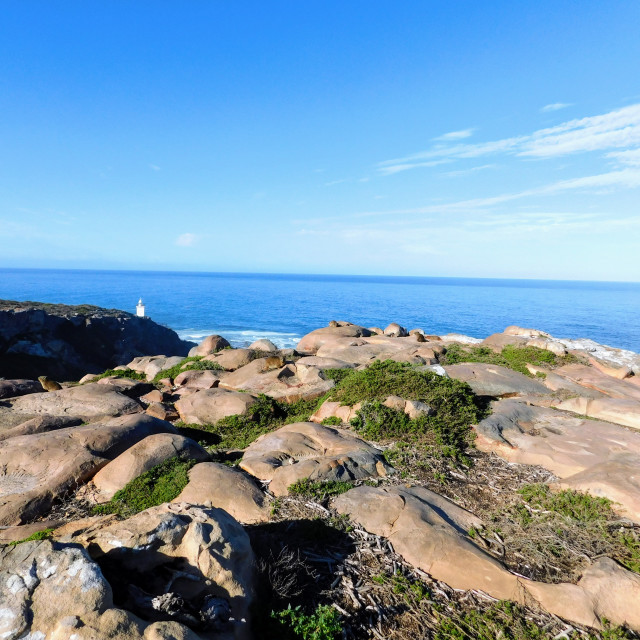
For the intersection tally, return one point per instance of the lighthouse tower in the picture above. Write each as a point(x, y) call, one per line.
point(140, 309)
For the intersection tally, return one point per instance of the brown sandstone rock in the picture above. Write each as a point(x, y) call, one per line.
point(395, 330)
point(625, 412)
point(263, 345)
point(215, 485)
point(85, 401)
point(15, 388)
point(310, 343)
point(308, 450)
point(40, 424)
point(198, 379)
point(141, 457)
point(429, 531)
point(495, 381)
point(592, 378)
point(40, 467)
point(210, 405)
point(330, 409)
point(211, 344)
point(232, 359)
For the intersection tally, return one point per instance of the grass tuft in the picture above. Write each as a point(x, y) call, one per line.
point(120, 373)
point(45, 534)
point(307, 488)
point(322, 624)
point(161, 484)
point(193, 362)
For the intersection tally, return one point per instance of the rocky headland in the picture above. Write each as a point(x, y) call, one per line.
point(371, 483)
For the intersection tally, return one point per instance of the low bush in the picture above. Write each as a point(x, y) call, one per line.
point(161, 484)
point(511, 356)
point(323, 624)
point(120, 373)
point(194, 362)
point(307, 488)
point(45, 534)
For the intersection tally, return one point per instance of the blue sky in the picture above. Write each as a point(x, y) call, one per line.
point(497, 139)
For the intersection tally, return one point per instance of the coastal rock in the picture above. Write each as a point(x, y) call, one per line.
point(592, 378)
point(65, 342)
point(232, 359)
point(127, 386)
point(40, 467)
point(308, 450)
point(310, 343)
point(429, 531)
point(141, 457)
point(211, 344)
point(190, 551)
point(394, 330)
point(263, 345)
point(198, 379)
point(596, 455)
point(207, 406)
point(216, 485)
point(85, 401)
point(162, 411)
point(330, 409)
point(493, 380)
point(40, 424)
point(624, 412)
point(15, 388)
point(498, 341)
point(289, 383)
point(324, 363)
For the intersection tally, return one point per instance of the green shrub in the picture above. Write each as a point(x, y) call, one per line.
point(194, 362)
point(331, 421)
point(322, 624)
point(307, 488)
point(161, 484)
point(45, 534)
point(337, 375)
point(511, 356)
point(574, 505)
point(120, 373)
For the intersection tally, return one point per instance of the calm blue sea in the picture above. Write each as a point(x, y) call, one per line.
point(245, 306)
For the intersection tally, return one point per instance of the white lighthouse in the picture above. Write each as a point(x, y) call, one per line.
point(140, 309)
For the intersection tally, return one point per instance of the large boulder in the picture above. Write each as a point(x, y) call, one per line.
point(308, 450)
point(211, 344)
point(86, 401)
point(311, 342)
point(289, 383)
point(493, 380)
point(263, 345)
point(396, 331)
point(15, 388)
point(177, 548)
point(207, 406)
point(324, 363)
point(430, 532)
point(198, 379)
point(216, 485)
point(38, 468)
point(141, 457)
point(594, 456)
point(232, 359)
point(40, 424)
point(594, 379)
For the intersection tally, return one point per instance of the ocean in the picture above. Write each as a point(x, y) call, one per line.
point(283, 307)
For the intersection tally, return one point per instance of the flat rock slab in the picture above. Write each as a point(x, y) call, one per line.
point(198, 379)
point(207, 406)
point(215, 485)
point(15, 388)
point(324, 363)
point(308, 450)
point(311, 342)
point(329, 409)
point(40, 467)
point(197, 551)
point(625, 412)
point(141, 457)
point(40, 424)
point(429, 531)
point(593, 378)
point(84, 401)
point(603, 458)
point(494, 381)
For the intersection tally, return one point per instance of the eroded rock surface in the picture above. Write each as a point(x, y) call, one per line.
point(207, 406)
point(429, 531)
point(308, 450)
point(216, 485)
point(40, 467)
point(493, 380)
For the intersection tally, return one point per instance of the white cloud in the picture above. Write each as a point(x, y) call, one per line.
point(155, 167)
point(464, 172)
point(619, 129)
point(556, 106)
point(186, 239)
point(456, 135)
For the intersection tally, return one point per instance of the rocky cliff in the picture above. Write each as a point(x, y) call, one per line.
point(66, 342)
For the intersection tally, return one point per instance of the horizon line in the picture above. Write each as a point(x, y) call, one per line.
point(317, 275)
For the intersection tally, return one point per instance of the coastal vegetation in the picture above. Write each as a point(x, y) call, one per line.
point(187, 364)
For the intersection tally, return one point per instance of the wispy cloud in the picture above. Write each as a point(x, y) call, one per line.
point(155, 167)
point(556, 106)
point(456, 135)
point(619, 129)
point(464, 172)
point(186, 239)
